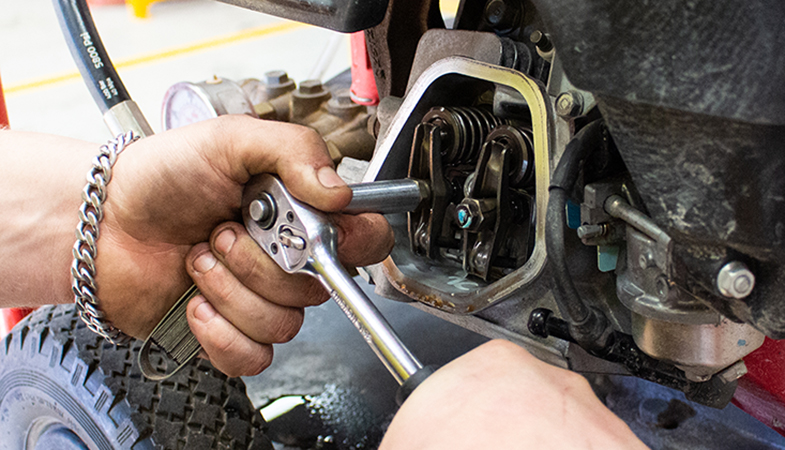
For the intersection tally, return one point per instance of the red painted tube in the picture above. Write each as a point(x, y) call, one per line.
point(363, 88)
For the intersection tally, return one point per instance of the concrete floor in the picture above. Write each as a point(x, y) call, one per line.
point(196, 39)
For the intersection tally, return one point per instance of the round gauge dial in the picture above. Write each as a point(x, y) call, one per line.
point(186, 103)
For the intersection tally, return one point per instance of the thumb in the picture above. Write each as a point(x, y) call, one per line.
point(295, 153)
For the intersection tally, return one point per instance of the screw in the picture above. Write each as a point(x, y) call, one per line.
point(464, 216)
point(311, 87)
point(735, 280)
point(569, 104)
point(274, 77)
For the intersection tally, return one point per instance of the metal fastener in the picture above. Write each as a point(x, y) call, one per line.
point(311, 87)
point(276, 77)
point(464, 216)
point(502, 15)
point(569, 104)
point(735, 280)
point(592, 231)
point(541, 40)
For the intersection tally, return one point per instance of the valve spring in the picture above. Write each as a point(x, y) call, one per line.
point(463, 131)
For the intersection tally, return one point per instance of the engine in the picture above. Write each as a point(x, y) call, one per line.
point(603, 180)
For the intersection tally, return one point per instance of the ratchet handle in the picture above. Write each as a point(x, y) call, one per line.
point(408, 386)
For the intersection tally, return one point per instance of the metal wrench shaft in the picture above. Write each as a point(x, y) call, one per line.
point(373, 327)
point(387, 197)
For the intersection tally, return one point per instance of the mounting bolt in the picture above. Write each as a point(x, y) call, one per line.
point(276, 77)
point(569, 104)
point(464, 216)
point(735, 280)
point(311, 87)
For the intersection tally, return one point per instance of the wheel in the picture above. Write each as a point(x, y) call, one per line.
point(64, 387)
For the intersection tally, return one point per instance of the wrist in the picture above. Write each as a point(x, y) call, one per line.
point(85, 250)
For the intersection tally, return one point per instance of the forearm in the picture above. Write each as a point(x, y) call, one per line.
point(41, 178)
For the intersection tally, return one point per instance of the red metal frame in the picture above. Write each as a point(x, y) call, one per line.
point(761, 393)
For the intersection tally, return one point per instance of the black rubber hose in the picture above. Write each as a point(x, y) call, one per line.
point(88, 51)
point(586, 324)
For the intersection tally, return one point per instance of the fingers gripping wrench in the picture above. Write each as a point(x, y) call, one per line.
point(301, 239)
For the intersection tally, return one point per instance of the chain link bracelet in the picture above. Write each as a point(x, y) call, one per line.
point(85, 249)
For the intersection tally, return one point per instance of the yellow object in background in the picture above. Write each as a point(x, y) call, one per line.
point(140, 8)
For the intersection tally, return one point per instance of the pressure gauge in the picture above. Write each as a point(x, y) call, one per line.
point(186, 103)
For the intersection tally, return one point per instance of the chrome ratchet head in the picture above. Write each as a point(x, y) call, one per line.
point(286, 229)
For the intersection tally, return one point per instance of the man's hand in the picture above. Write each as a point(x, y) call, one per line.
point(173, 210)
point(501, 397)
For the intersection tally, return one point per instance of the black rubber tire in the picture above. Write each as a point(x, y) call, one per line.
point(55, 373)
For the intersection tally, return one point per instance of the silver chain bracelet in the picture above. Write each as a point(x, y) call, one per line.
point(85, 249)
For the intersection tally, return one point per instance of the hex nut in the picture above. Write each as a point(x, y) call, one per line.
point(276, 77)
point(311, 87)
point(569, 104)
point(468, 214)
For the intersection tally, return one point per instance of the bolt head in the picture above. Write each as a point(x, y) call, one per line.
point(542, 42)
point(468, 214)
point(536, 36)
point(311, 87)
point(735, 280)
point(569, 104)
point(274, 77)
point(494, 11)
point(502, 15)
point(464, 216)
